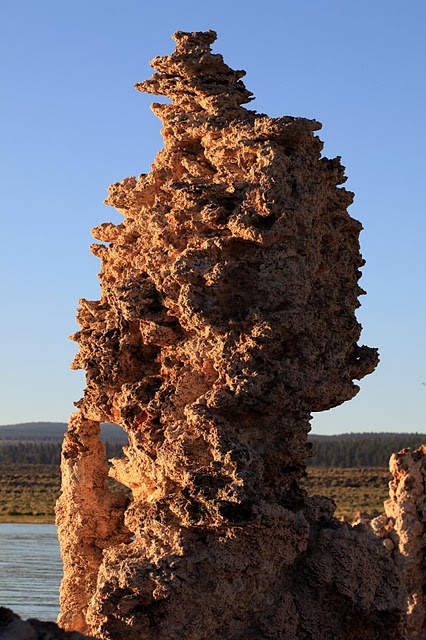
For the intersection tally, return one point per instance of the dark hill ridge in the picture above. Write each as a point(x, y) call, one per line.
point(361, 449)
point(112, 432)
point(365, 435)
point(54, 432)
point(344, 450)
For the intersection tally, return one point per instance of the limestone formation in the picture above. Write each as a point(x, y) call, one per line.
point(227, 316)
point(406, 510)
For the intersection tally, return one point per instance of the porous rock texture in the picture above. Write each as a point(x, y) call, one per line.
point(406, 510)
point(227, 315)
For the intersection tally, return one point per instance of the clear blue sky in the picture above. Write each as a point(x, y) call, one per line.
point(72, 124)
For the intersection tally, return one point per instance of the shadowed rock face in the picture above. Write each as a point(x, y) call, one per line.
point(13, 628)
point(227, 315)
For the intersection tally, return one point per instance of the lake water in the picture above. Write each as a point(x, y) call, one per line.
point(30, 570)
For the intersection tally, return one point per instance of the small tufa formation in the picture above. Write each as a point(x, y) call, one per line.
point(406, 509)
point(402, 532)
point(227, 316)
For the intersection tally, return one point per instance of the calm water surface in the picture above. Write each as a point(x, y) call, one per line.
point(30, 570)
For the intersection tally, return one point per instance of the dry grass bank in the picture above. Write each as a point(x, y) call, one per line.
point(28, 492)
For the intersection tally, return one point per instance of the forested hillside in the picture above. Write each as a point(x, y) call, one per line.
point(54, 432)
point(25, 452)
point(33, 431)
point(361, 450)
point(40, 443)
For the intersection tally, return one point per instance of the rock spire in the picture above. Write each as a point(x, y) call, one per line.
point(227, 316)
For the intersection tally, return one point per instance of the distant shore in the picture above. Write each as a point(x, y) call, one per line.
point(28, 493)
point(19, 519)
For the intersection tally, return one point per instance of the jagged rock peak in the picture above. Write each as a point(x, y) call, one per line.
point(227, 316)
point(196, 79)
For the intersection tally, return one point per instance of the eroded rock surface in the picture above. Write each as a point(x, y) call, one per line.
point(227, 315)
point(406, 509)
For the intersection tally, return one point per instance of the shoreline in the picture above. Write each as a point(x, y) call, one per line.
point(24, 519)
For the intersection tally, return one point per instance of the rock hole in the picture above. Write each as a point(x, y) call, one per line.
point(115, 438)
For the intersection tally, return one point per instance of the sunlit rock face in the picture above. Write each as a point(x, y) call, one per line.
point(406, 509)
point(227, 315)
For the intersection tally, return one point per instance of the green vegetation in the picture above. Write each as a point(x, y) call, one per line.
point(39, 443)
point(351, 468)
point(28, 492)
point(54, 432)
point(44, 453)
point(361, 449)
point(352, 490)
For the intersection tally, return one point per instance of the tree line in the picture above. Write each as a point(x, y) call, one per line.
point(24, 452)
point(361, 451)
